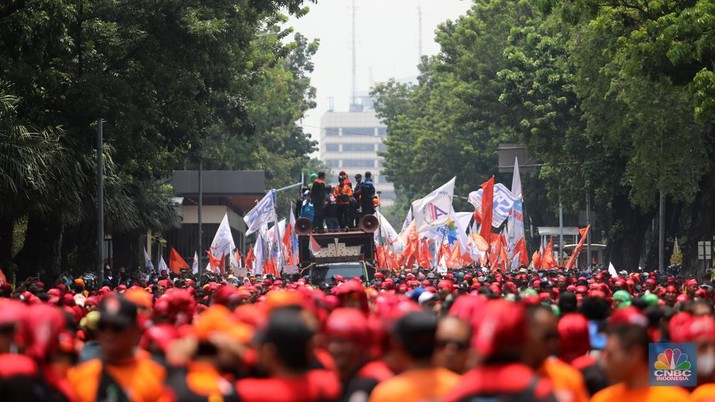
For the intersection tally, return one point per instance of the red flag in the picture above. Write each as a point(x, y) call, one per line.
point(250, 258)
point(577, 250)
point(455, 257)
point(536, 260)
point(547, 261)
point(425, 256)
point(314, 246)
point(176, 262)
point(520, 248)
point(3, 278)
point(270, 267)
point(485, 229)
point(216, 263)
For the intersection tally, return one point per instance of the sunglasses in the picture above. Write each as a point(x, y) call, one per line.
point(460, 345)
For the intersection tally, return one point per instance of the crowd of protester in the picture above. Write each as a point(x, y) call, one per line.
point(409, 335)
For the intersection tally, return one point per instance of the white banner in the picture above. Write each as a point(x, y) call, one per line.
point(503, 203)
point(222, 243)
point(263, 212)
point(433, 210)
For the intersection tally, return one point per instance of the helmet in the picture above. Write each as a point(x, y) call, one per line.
point(622, 297)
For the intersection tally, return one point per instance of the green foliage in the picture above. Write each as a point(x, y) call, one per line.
point(614, 98)
point(168, 77)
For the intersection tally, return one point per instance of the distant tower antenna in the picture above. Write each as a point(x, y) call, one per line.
point(354, 94)
point(419, 34)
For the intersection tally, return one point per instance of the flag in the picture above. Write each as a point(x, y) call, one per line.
point(250, 258)
point(487, 204)
point(386, 232)
point(455, 257)
point(314, 246)
point(515, 223)
point(547, 260)
point(222, 243)
point(3, 278)
point(263, 213)
point(536, 260)
point(162, 265)
point(577, 250)
point(425, 256)
point(215, 263)
point(433, 210)
point(612, 270)
point(259, 252)
point(502, 203)
point(176, 262)
point(406, 223)
point(520, 249)
point(195, 265)
point(148, 265)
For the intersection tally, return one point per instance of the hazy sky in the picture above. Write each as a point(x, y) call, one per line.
point(387, 44)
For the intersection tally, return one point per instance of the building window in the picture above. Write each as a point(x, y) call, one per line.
point(358, 148)
point(333, 163)
point(381, 147)
point(350, 163)
point(358, 131)
point(332, 131)
point(332, 147)
point(382, 131)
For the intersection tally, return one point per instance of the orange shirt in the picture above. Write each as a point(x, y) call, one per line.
point(346, 191)
point(620, 393)
point(416, 385)
point(567, 381)
point(141, 379)
point(703, 393)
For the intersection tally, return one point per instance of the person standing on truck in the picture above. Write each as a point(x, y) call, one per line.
point(342, 193)
point(318, 195)
point(355, 201)
point(365, 194)
point(331, 211)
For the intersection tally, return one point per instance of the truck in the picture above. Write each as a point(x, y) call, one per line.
point(325, 255)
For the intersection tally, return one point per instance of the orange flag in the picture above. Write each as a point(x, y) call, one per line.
point(520, 248)
point(425, 256)
point(216, 263)
point(547, 261)
point(485, 229)
point(270, 267)
point(536, 260)
point(250, 258)
point(577, 250)
point(176, 262)
point(3, 278)
point(455, 257)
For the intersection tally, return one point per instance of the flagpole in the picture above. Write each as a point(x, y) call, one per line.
point(201, 204)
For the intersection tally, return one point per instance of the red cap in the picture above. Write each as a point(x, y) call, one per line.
point(349, 324)
point(628, 315)
point(573, 337)
point(501, 327)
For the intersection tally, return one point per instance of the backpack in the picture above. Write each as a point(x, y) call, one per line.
point(307, 211)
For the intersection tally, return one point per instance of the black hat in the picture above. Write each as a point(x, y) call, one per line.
point(118, 311)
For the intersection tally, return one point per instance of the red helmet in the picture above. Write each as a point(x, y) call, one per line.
point(349, 324)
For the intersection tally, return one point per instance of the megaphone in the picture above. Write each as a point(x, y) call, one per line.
point(303, 226)
point(368, 223)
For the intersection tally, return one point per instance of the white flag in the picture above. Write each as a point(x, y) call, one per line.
point(148, 265)
point(386, 234)
point(222, 243)
point(612, 270)
point(263, 212)
point(503, 203)
point(516, 180)
point(162, 265)
point(259, 252)
point(433, 210)
point(195, 265)
point(408, 220)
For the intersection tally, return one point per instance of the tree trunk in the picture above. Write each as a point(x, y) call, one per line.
point(42, 252)
point(7, 238)
point(627, 230)
point(702, 221)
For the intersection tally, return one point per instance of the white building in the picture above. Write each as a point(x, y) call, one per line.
point(350, 141)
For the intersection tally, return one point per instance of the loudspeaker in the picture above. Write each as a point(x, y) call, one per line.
point(368, 223)
point(303, 226)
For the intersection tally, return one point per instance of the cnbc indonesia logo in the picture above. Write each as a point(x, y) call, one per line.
point(672, 365)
